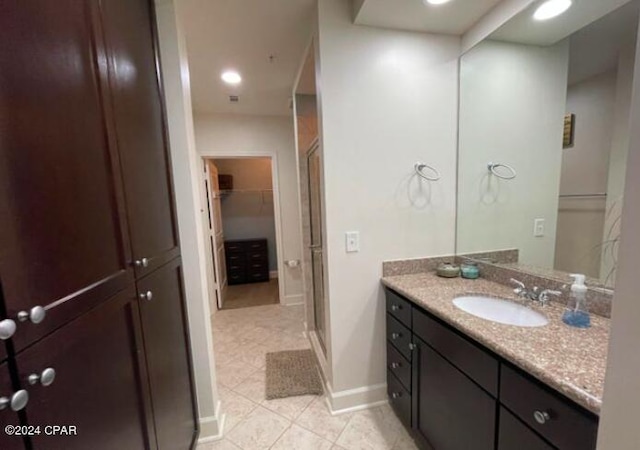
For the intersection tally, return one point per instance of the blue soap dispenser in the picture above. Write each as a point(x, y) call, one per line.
point(576, 314)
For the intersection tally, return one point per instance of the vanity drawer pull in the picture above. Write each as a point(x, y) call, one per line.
point(541, 417)
point(395, 365)
point(395, 336)
point(396, 307)
point(396, 395)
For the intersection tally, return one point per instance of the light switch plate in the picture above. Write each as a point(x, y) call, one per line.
point(352, 241)
point(538, 228)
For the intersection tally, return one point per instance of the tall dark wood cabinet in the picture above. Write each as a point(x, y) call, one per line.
point(92, 313)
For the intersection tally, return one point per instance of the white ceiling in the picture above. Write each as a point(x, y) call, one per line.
point(241, 35)
point(595, 49)
point(523, 29)
point(455, 17)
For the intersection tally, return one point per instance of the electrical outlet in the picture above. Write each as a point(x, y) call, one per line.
point(538, 228)
point(352, 241)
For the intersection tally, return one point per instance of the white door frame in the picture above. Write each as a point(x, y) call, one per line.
point(212, 154)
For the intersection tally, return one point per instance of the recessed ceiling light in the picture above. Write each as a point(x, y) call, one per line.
point(436, 2)
point(231, 77)
point(551, 8)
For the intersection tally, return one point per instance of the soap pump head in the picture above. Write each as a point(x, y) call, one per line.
point(578, 282)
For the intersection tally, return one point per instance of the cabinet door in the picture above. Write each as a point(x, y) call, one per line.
point(98, 385)
point(514, 434)
point(168, 356)
point(7, 415)
point(63, 238)
point(140, 130)
point(453, 413)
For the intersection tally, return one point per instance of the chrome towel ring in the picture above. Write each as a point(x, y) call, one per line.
point(492, 168)
point(435, 174)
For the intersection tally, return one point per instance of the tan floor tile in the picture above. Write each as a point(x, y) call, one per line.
point(290, 407)
point(318, 419)
point(222, 444)
point(259, 430)
point(235, 407)
point(232, 373)
point(298, 438)
point(374, 429)
point(253, 387)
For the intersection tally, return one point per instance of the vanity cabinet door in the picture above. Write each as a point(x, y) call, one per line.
point(140, 129)
point(7, 415)
point(514, 434)
point(451, 411)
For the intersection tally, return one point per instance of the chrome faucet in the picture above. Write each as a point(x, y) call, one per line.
point(536, 295)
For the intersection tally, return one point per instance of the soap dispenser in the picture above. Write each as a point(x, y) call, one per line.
point(576, 314)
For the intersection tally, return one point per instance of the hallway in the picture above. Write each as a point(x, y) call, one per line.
point(242, 337)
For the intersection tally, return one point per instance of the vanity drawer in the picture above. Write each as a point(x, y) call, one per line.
point(567, 426)
point(472, 360)
point(399, 336)
point(399, 307)
point(399, 366)
point(399, 398)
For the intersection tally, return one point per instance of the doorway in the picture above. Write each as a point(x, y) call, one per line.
point(242, 231)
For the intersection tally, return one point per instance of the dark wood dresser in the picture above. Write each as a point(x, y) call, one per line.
point(247, 261)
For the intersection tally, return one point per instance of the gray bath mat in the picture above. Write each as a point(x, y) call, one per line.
point(291, 373)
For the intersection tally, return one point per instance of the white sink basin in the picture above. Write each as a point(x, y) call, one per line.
point(501, 311)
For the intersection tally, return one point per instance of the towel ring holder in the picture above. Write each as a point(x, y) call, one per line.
point(492, 169)
point(419, 168)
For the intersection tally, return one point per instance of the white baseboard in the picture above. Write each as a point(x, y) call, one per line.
point(212, 428)
point(273, 274)
point(291, 300)
point(351, 400)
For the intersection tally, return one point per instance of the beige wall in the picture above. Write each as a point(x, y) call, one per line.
point(512, 104)
point(619, 428)
point(387, 99)
point(220, 135)
point(186, 180)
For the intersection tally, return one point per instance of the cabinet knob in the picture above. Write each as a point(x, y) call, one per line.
point(396, 395)
point(395, 365)
point(16, 402)
point(412, 346)
point(541, 417)
point(396, 307)
point(395, 336)
point(35, 315)
point(7, 329)
point(146, 295)
point(144, 262)
point(45, 378)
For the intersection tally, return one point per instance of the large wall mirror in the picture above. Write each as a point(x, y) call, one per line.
point(544, 138)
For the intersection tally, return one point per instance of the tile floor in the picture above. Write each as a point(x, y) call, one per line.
point(252, 294)
point(242, 337)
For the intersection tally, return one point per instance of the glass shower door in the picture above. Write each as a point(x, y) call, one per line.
point(316, 247)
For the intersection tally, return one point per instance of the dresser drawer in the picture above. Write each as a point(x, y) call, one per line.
point(558, 420)
point(399, 307)
point(472, 360)
point(399, 336)
point(400, 399)
point(399, 366)
point(236, 259)
point(252, 246)
point(254, 256)
point(234, 247)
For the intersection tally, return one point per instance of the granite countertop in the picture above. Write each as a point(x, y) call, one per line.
point(570, 360)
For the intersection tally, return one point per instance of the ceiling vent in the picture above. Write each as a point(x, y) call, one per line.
point(234, 98)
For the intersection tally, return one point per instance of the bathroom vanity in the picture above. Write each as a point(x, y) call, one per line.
point(458, 382)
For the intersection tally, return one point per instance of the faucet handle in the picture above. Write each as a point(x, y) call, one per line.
point(545, 295)
point(520, 289)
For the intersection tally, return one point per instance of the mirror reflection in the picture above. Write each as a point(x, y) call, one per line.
point(544, 138)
